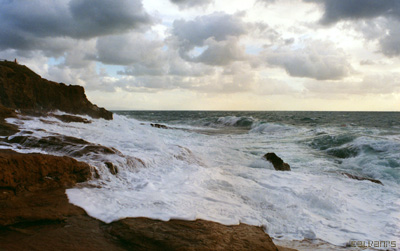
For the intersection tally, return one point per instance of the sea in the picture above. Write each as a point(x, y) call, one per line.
point(209, 165)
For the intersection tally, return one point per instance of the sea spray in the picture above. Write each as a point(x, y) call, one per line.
point(200, 171)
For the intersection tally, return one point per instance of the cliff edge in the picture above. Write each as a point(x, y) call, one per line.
point(23, 89)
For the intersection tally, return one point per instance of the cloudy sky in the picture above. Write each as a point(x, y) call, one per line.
point(213, 54)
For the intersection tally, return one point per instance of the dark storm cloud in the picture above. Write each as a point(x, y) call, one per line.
point(381, 19)
point(190, 3)
point(336, 10)
point(28, 24)
point(99, 17)
point(390, 42)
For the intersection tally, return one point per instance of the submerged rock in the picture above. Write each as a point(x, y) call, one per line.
point(159, 126)
point(277, 162)
point(355, 177)
point(21, 88)
point(113, 169)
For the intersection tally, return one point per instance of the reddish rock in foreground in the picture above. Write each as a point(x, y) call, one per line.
point(21, 88)
point(31, 172)
point(35, 215)
point(147, 234)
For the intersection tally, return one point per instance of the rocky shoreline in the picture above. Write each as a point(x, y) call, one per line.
point(35, 213)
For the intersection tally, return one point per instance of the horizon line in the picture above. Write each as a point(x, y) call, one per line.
point(177, 110)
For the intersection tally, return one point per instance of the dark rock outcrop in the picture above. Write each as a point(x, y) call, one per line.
point(73, 147)
point(5, 128)
point(355, 177)
point(159, 126)
point(113, 169)
point(21, 88)
point(70, 118)
point(277, 162)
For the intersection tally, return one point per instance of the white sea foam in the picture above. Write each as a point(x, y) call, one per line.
point(221, 178)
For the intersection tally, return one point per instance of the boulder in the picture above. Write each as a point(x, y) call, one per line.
point(277, 162)
point(21, 88)
point(27, 182)
point(113, 169)
point(30, 172)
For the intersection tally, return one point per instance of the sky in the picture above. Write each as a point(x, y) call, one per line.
point(334, 55)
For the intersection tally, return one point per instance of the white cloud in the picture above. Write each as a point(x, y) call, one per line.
point(318, 59)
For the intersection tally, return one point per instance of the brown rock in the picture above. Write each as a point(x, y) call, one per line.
point(5, 128)
point(113, 169)
point(31, 172)
point(277, 162)
point(21, 88)
point(70, 118)
point(74, 233)
point(147, 234)
point(71, 146)
point(355, 177)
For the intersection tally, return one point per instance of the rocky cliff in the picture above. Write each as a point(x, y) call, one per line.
point(21, 88)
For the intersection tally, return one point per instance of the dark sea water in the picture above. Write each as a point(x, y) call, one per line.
point(208, 165)
point(341, 135)
point(383, 120)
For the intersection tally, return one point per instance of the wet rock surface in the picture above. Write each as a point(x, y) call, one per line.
point(356, 177)
point(7, 129)
point(277, 162)
point(70, 118)
point(159, 126)
point(71, 146)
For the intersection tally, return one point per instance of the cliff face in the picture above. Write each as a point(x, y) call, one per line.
point(21, 88)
